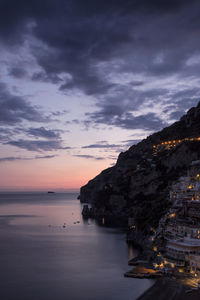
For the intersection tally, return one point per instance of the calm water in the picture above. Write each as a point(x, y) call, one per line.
point(39, 259)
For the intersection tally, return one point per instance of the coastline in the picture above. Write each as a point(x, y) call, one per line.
point(165, 289)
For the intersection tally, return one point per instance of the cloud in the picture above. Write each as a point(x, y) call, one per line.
point(89, 156)
point(44, 157)
point(131, 142)
point(9, 158)
point(37, 145)
point(6, 133)
point(149, 122)
point(42, 76)
point(59, 113)
point(15, 109)
point(127, 55)
point(18, 72)
point(44, 133)
point(136, 83)
point(144, 34)
point(14, 158)
point(100, 145)
point(129, 108)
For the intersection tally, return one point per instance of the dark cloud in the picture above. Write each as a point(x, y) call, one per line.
point(59, 113)
point(175, 115)
point(14, 158)
point(150, 36)
point(9, 158)
point(149, 122)
point(126, 109)
point(91, 42)
point(113, 157)
point(186, 98)
point(18, 72)
point(15, 109)
point(37, 145)
point(75, 121)
point(100, 145)
point(67, 148)
point(136, 83)
point(182, 100)
point(6, 133)
point(122, 109)
point(42, 76)
point(89, 156)
point(131, 142)
point(44, 133)
point(44, 157)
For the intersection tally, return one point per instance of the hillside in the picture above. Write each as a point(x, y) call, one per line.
point(138, 185)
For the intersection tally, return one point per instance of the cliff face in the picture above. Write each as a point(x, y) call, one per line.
point(138, 185)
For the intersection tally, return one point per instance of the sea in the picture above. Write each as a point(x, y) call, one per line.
point(48, 252)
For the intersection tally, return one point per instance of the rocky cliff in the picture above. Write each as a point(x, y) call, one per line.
point(138, 185)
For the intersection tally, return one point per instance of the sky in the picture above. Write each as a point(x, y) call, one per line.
point(82, 81)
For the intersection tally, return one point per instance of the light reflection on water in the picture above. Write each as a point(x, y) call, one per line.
point(41, 259)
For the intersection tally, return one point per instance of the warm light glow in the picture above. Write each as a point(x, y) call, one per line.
point(180, 270)
point(172, 215)
point(132, 227)
point(152, 229)
point(174, 143)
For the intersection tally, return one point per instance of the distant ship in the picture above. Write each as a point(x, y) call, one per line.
point(50, 192)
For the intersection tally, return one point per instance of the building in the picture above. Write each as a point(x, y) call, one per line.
point(180, 227)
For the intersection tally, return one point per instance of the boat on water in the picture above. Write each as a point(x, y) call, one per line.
point(51, 192)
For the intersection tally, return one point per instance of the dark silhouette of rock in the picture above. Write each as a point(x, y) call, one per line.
point(138, 185)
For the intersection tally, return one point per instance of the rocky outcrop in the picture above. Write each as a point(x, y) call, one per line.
point(138, 185)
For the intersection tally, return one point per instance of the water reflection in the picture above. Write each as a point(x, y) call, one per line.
point(132, 251)
point(41, 259)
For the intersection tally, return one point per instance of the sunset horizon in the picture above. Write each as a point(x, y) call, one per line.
point(81, 85)
point(100, 149)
